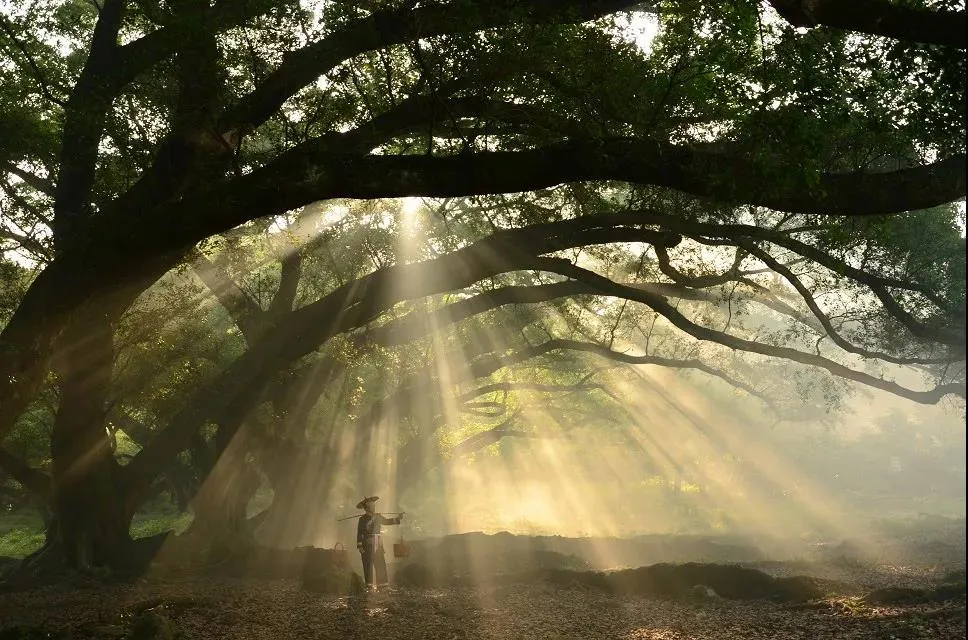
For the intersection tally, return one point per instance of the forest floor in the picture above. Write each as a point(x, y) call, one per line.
point(203, 608)
point(539, 588)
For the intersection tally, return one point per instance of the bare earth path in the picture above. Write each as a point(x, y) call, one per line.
point(253, 609)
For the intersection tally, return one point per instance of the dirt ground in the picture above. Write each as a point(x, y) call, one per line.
point(244, 608)
point(511, 605)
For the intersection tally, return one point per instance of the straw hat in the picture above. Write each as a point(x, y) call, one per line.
point(362, 503)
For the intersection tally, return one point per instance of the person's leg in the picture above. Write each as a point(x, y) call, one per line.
point(380, 560)
point(367, 564)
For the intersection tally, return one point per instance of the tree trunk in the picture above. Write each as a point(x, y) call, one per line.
point(25, 345)
point(179, 483)
point(302, 482)
point(221, 504)
point(91, 522)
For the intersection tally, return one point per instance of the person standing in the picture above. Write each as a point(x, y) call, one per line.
point(369, 542)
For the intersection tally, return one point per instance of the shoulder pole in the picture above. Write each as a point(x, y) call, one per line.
point(379, 513)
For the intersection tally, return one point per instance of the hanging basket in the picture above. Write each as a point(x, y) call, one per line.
point(401, 549)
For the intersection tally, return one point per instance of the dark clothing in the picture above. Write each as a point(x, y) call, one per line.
point(374, 557)
point(370, 524)
point(370, 543)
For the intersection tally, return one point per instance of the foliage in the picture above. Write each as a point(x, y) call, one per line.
point(21, 535)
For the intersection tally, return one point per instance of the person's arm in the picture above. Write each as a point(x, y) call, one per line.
point(359, 534)
point(396, 520)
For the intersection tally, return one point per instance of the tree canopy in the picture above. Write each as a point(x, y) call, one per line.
point(731, 189)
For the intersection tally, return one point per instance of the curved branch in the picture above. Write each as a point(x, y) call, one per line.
point(43, 185)
point(386, 28)
point(918, 329)
point(478, 441)
point(138, 56)
point(821, 317)
point(665, 266)
point(418, 324)
point(661, 306)
point(878, 285)
point(415, 325)
point(359, 302)
point(505, 387)
point(84, 120)
point(420, 110)
point(673, 363)
point(29, 244)
point(242, 384)
point(700, 232)
point(879, 18)
point(305, 174)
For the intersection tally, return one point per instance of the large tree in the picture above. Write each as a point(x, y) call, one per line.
point(801, 156)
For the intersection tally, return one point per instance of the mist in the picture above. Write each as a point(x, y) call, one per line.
point(690, 456)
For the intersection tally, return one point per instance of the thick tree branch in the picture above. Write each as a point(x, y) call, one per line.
point(27, 243)
point(85, 115)
point(879, 18)
point(285, 295)
point(419, 111)
point(42, 185)
point(359, 302)
point(244, 311)
point(478, 441)
point(304, 175)
point(241, 386)
point(138, 56)
point(416, 325)
point(193, 151)
point(386, 28)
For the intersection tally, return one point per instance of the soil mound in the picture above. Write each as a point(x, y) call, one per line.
point(585, 553)
point(906, 595)
point(677, 582)
point(664, 581)
point(418, 575)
